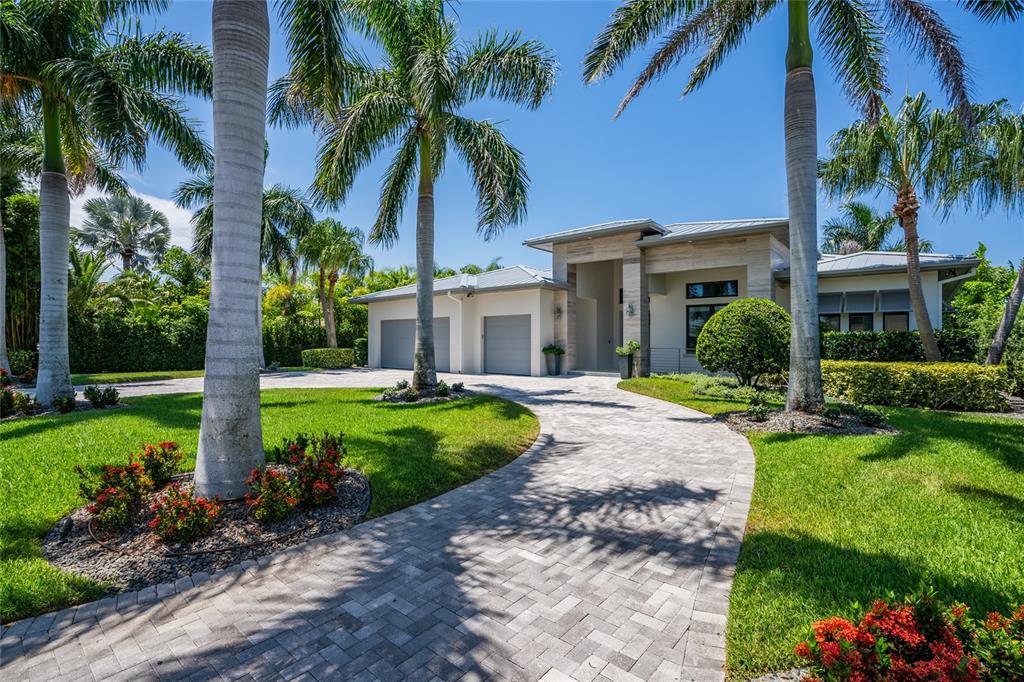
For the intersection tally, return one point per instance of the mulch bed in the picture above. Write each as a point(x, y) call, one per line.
point(136, 558)
point(424, 398)
point(779, 421)
point(80, 406)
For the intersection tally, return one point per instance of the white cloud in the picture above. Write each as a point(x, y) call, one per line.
point(179, 218)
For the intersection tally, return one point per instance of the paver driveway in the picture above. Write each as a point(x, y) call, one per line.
point(606, 551)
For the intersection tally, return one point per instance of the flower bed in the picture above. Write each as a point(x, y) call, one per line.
point(402, 392)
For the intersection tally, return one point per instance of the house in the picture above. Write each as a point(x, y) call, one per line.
point(640, 280)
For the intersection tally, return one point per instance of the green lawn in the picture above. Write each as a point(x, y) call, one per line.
point(130, 377)
point(843, 519)
point(410, 453)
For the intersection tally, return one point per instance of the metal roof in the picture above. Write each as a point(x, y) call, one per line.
point(513, 277)
point(613, 227)
point(867, 262)
point(708, 229)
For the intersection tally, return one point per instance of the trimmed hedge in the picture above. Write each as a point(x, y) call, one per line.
point(362, 349)
point(956, 345)
point(748, 338)
point(936, 385)
point(284, 339)
point(328, 358)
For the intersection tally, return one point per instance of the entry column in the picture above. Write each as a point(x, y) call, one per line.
point(636, 308)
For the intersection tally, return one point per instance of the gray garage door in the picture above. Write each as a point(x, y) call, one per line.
point(398, 343)
point(507, 344)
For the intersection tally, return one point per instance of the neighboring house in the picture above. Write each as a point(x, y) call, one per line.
point(637, 279)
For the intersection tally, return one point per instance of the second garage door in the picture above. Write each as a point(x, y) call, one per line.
point(507, 348)
point(398, 344)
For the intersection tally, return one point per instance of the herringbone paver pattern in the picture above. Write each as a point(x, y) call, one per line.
point(606, 552)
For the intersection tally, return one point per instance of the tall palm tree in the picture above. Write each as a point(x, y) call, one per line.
point(860, 228)
point(230, 435)
point(917, 153)
point(851, 33)
point(335, 251)
point(413, 100)
point(99, 90)
point(127, 227)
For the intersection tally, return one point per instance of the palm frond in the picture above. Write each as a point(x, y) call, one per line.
point(924, 31)
point(499, 173)
point(394, 190)
point(195, 192)
point(995, 10)
point(507, 67)
point(163, 61)
point(732, 22)
point(855, 45)
point(632, 25)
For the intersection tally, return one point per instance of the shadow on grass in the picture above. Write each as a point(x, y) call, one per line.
point(1006, 506)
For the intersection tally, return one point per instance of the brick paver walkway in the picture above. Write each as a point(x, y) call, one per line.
point(606, 551)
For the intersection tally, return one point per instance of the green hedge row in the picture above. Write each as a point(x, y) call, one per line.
point(937, 385)
point(328, 358)
point(955, 345)
point(362, 349)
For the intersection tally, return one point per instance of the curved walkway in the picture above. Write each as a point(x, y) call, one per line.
point(606, 551)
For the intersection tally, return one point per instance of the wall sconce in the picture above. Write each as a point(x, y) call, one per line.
point(630, 310)
point(558, 312)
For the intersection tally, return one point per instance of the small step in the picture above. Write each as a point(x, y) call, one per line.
point(592, 373)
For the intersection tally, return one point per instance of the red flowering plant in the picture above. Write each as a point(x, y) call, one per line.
point(115, 495)
point(179, 517)
point(317, 462)
point(272, 495)
point(161, 461)
point(915, 640)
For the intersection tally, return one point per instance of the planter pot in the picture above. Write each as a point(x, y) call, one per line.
point(552, 361)
point(626, 366)
point(558, 365)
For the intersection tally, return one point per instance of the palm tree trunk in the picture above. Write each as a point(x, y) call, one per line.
point(805, 392)
point(230, 436)
point(5, 365)
point(259, 331)
point(126, 262)
point(322, 295)
point(424, 370)
point(995, 351)
point(54, 378)
point(906, 209)
point(332, 329)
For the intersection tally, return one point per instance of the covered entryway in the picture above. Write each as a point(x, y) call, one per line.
point(398, 343)
point(507, 344)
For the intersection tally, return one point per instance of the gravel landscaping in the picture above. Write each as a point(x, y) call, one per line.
point(779, 421)
point(136, 558)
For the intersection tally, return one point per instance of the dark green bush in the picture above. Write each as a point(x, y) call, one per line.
point(328, 358)
point(362, 350)
point(748, 338)
point(1014, 359)
point(21, 361)
point(94, 395)
point(937, 385)
point(956, 345)
point(284, 339)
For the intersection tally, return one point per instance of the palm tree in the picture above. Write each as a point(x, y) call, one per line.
point(414, 100)
point(388, 278)
point(335, 251)
point(125, 226)
point(860, 228)
point(230, 435)
point(851, 33)
point(917, 153)
point(100, 92)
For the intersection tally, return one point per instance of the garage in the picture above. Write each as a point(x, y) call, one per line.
point(398, 343)
point(507, 345)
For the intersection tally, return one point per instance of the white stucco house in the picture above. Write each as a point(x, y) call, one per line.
point(640, 280)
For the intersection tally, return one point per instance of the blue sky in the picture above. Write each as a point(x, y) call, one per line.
point(716, 154)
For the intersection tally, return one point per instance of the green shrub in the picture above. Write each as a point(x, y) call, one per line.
point(160, 462)
point(179, 517)
point(284, 338)
point(1014, 359)
point(362, 351)
point(442, 390)
point(831, 413)
point(747, 338)
point(758, 413)
point(328, 358)
point(956, 345)
point(21, 361)
point(937, 385)
point(94, 394)
point(65, 403)
point(869, 416)
point(272, 495)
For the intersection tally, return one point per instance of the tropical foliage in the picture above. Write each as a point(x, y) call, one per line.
point(124, 226)
point(860, 228)
point(335, 252)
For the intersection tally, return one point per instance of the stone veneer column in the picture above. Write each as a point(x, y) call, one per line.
point(636, 327)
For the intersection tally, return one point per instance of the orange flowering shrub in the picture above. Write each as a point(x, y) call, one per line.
point(179, 517)
point(272, 495)
point(115, 495)
point(160, 461)
point(317, 462)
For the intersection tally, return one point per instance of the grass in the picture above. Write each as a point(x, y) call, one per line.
point(842, 519)
point(410, 453)
point(163, 375)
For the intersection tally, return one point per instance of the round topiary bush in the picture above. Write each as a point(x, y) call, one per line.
point(748, 338)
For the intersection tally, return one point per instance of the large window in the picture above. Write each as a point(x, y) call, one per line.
point(828, 323)
point(896, 322)
point(724, 289)
point(696, 317)
point(862, 322)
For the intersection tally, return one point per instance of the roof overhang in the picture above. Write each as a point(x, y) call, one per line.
point(547, 242)
point(959, 268)
point(674, 237)
point(461, 289)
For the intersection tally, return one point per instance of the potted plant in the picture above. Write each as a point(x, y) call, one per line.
point(553, 354)
point(625, 354)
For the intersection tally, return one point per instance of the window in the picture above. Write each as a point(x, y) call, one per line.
point(724, 289)
point(864, 322)
point(696, 316)
point(896, 322)
point(828, 323)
